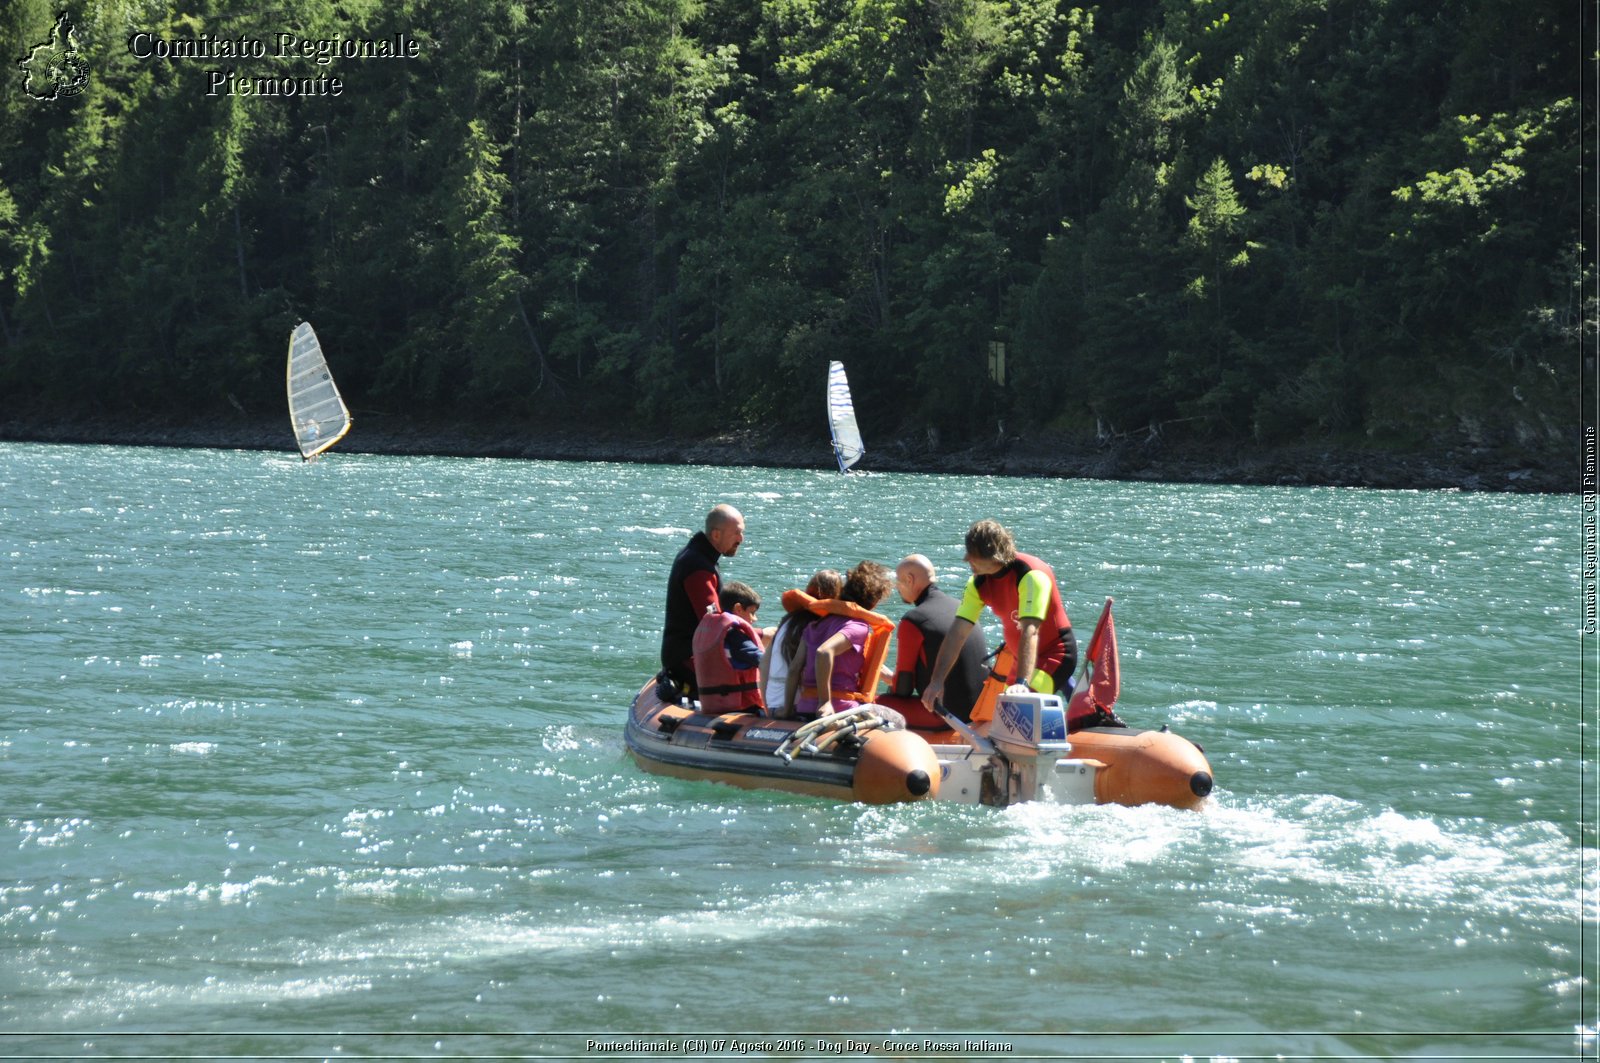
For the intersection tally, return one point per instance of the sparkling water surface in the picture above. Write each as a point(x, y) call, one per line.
point(326, 761)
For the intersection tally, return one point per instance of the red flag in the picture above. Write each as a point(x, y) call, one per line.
point(1103, 686)
point(1106, 683)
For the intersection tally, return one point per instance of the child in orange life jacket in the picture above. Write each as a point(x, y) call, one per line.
point(841, 661)
point(727, 653)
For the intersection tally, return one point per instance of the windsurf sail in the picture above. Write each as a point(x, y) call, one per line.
point(847, 446)
point(319, 416)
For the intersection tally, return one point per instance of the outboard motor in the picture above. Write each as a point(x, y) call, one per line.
point(1030, 732)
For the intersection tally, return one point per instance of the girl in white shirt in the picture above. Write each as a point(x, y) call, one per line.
point(827, 583)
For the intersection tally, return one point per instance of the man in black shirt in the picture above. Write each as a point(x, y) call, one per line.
point(693, 588)
point(922, 632)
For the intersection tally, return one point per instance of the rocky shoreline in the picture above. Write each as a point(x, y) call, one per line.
point(1304, 465)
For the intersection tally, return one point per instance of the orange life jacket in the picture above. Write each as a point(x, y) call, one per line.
point(880, 633)
point(1082, 711)
point(983, 709)
point(724, 688)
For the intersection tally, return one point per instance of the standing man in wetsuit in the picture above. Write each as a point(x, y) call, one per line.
point(922, 634)
point(693, 588)
point(1022, 591)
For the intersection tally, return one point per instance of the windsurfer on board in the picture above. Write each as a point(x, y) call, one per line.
point(1022, 591)
point(694, 587)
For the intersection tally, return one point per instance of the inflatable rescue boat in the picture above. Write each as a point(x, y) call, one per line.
point(849, 756)
point(1017, 749)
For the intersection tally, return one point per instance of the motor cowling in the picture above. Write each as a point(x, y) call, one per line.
point(1029, 724)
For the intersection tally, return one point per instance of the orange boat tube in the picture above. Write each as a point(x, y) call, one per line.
point(1144, 767)
point(1026, 755)
point(1133, 767)
point(856, 761)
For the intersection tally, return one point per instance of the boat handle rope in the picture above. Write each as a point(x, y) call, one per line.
point(848, 728)
point(805, 731)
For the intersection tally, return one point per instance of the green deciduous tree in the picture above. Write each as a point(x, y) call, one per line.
point(1181, 217)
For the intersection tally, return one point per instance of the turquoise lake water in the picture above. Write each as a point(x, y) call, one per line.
point(326, 761)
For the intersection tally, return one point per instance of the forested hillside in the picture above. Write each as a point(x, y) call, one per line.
point(1274, 221)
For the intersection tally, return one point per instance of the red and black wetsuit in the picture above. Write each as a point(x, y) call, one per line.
point(1002, 592)
point(921, 634)
point(692, 588)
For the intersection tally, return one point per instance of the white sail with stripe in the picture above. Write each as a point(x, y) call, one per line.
point(319, 416)
point(847, 445)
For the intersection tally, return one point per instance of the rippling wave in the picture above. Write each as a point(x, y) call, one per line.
point(290, 749)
